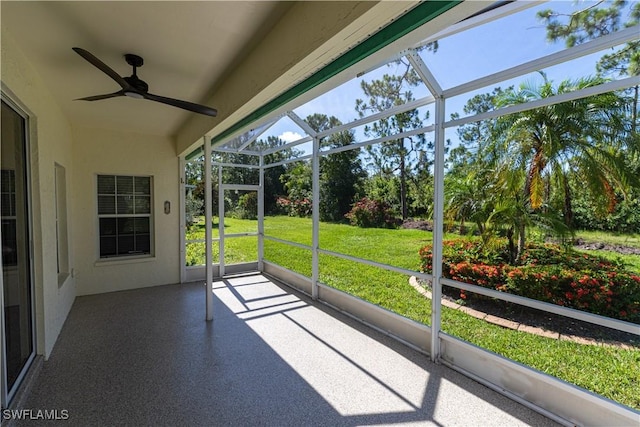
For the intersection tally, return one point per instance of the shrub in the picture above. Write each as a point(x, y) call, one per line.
point(193, 208)
point(624, 219)
point(295, 207)
point(584, 282)
point(369, 213)
point(247, 206)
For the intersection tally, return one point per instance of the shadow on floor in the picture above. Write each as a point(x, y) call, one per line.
point(270, 357)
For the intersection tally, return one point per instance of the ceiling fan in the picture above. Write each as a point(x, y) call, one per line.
point(134, 87)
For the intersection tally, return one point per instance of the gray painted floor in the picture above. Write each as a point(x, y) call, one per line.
point(271, 357)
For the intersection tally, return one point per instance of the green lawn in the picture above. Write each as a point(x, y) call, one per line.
point(632, 261)
point(611, 372)
point(237, 249)
point(632, 240)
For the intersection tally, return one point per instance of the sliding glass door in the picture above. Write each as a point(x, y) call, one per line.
point(17, 291)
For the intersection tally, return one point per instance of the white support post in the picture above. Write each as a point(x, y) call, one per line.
point(208, 207)
point(438, 230)
point(261, 217)
point(183, 219)
point(315, 170)
point(220, 223)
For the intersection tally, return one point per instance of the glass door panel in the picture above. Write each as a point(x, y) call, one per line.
point(16, 266)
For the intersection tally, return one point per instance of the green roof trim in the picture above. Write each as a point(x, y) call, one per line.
point(418, 16)
point(195, 153)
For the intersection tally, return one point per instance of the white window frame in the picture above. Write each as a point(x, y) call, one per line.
point(99, 216)
point(62, 228)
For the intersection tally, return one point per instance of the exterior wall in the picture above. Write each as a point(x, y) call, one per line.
point(98, 151)
point(50, 143)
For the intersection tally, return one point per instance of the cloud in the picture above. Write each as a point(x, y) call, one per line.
point(289, 136)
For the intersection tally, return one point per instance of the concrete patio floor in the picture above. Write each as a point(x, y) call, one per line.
point(271, 357)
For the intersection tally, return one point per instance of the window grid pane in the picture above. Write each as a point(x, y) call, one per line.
point(142, 204)
point(106, 184)
point(142, 185)
point(125, 204)
point(106, 205)
point(124, 185)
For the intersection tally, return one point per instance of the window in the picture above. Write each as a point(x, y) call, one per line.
point(62, 239)
point(124, 215)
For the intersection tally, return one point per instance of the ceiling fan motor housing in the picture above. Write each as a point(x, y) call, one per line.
point(135, 61)
point(137, 83)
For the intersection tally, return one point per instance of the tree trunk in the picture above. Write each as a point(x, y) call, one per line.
point(521, 240)
point(634, 111)
point(538, 163)
point(568, 202)
point(512, 247)
point(520, 221)
point(481, 231)
point(403, 187)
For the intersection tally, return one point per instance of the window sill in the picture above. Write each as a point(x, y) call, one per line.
point(105, 262)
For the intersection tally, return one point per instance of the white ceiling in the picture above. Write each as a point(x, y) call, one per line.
point(188, 48)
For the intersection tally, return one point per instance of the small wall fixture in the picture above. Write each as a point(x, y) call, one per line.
point(167, 207)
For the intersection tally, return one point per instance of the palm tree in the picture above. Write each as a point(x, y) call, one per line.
point(468, 197)
point(586, 136)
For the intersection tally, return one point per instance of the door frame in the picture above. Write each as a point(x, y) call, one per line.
point(221, 215)
point(6, 394)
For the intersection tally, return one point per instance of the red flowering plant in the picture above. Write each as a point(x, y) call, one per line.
point(546, 273)
point(368, 213)
point(295, 207)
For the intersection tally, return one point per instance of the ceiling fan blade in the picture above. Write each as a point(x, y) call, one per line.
point(99, 97)
point(196, 108)
point(102, 67)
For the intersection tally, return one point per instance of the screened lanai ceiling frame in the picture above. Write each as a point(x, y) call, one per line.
point(244, 142)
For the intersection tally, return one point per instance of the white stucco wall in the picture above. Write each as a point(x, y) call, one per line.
point(50, 143)
point(108, 152)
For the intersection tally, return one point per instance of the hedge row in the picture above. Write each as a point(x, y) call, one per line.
point(546, 273)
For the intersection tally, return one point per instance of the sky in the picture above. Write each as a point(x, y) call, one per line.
point(474, 53)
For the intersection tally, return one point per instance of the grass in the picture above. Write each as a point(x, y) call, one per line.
point(610, 372)
point(632, 240)
point(237, 249)
point(632, 261)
